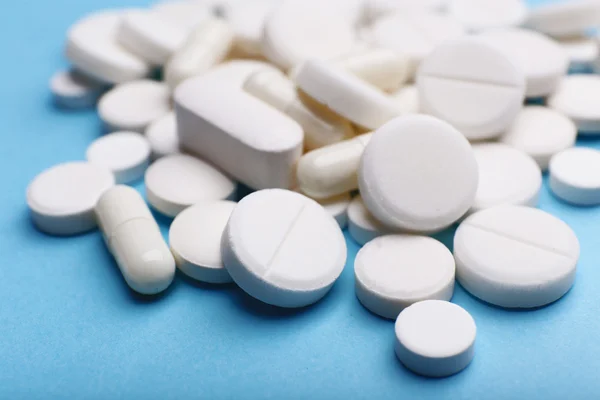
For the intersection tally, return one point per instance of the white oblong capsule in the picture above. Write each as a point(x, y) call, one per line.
point(320, 128)
point(134, 239)
point(383, 68)
point(207, 46)
point(331, 170)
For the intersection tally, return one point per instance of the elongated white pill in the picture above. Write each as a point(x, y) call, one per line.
point(575, 176)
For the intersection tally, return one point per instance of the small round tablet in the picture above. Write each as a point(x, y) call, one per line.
point(506, 176)
point(432, 199)
point(162, 136)
point(575, 176)
point(540, 132)
point(581, 50)
point(72, 89)
point(479, 15)
point(515, 256)
point(471, 85)
point(394, 271)
point(134, 105)
point(125, 154)
point(62, 198)
point(178, 181)
point(435, 338)
point(195, 240)
point(565, 18)
point(577, 96)
point(362, 226)
point(283, 248)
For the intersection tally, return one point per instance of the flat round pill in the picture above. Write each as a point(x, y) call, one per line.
point(435, 338)
point(162, 136)
point(575, 176)
point(134, 105)
point(395, 271)
point(577, 96)
point(565, 18)
point(72, 89)
point(479, 15)
point(515, 256)
point(195, 240)
point(542, 59)
point(540, 132)
point(283, 248)
point(125, 154)
point(92, 47)
point(178, 181)
point(472, 86)
point(432, 199)
point(581, 50)
point(62, 198)
point(362, 226)
point(506, 176)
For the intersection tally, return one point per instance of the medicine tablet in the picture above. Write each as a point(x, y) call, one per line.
point(72, 89)
point(235, 73)
point(479, 15)
point(125, 154)
point(337, 207)
point(134, 105)
point(162, 136)
point(473, 86)
point(435, 338)
point(247, 20)
point(346, 94)
point(515, 257)
point(577, 97)
point(62, 198)
point(438, 195)
point(362, 226)
point(283, 248)
point(178, 181)
point(581, 50)
point(395, 271)
point(185, 14)
point(195, 240)
point(575, 176)
point(540, 132)
point(506, 176)
point(567, 18)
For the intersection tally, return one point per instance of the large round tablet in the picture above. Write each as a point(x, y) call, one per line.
point(162, 136)
point(565, 18)
point(62, 198)
point(577, 96)
point(195, 240)
point(362, 226)
point(479, 15)
point(418, 173)
point(515, 256)
point(283, 248)
point(575, 176)
point(471, 85)
point(394, 271)
point(72, 89)
point(178, 181)
point(435, 338)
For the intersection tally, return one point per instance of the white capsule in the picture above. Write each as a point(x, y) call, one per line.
point(134, 239)
point(320, 129)
point(207, 46)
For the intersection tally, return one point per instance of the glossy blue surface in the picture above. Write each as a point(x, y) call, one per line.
point(70, 327)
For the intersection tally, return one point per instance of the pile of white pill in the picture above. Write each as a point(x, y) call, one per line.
point(395, 118)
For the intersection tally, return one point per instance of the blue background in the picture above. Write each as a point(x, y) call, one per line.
point(71, 328)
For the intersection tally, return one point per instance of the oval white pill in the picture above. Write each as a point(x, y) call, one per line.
point(195, 240)
point(515, 257)
point(575, 176)
point(72, 89)
point(431, 199)
point(178, 181)
point(577, 96)
point(565, 18)
point(62, 198)
point(435, 338)
point(472, 86)
point(162, 136)
point(479, 15)
point(283, 248)
point(540, 132)
point(362, 226)
point(134, 105)
point(395, 271)
point(125, 154)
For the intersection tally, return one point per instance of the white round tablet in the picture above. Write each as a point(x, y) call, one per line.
point(283, 248)
point(472, 86)
point(432, 199)
point(581, 50)
point(515, 256)
point(577, 96)
point(134, 105)
point(162, 136)
point(62, 198)
point(195, 240)
point(72, 89)
point(506, 176)
point(178, 181)
point(575, 176)
point(408, 99)
point(435, 338)
point(565, 18)
point(540, 132)
point(125, 154)
point(395, 271)
point(542, 59)
point(362, 226)
point(479, 15)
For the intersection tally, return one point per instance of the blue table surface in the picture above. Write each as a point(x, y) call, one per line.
point(71, 328)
